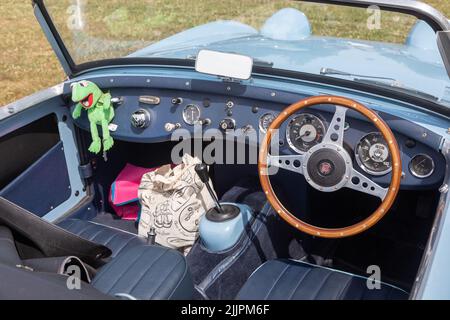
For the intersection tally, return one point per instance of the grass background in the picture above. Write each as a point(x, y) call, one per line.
point(28, 64)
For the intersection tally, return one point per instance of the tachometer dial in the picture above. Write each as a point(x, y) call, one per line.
point(421, 166)
point(304, 132)
point(372, 154)
point(265, 121)
point(191, 114)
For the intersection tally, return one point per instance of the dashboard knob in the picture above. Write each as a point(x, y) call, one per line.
point(177, 100)
point(169, 127)
point(140, 119)
point(227, 124)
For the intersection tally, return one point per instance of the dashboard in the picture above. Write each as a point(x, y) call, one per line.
point(152, 115)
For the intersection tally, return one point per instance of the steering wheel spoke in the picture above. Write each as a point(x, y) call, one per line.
point(335, 132)
point(292, 163)
point(361, 183)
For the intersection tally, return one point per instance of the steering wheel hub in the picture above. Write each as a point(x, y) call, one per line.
point(327, 167)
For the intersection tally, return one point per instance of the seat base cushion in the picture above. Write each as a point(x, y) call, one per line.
point(292, 280)
point(146, 272)
point(136, 269)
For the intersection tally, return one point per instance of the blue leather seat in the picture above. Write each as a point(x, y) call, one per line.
point(146, 272)
point(292, 280)
point(116, 240)
point(136, 269)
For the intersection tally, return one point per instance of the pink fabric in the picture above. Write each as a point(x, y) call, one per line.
point(123, 195)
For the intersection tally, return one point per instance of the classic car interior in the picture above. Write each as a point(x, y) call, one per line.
point(357, 184)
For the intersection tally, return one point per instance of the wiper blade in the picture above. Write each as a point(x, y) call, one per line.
point(379, 81)
point(329, 71)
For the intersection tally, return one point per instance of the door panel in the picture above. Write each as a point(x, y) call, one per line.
point(24, 146)
point(39, 159)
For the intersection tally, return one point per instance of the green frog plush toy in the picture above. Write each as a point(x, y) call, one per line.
point(99, 109)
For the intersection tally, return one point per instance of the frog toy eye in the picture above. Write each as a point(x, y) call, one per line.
point(84, 84)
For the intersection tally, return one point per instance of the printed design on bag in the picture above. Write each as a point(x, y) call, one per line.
point(185, 217)
point(181, 196)
point(163, 215)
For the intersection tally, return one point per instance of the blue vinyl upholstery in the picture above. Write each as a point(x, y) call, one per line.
point(146, 272)
point(292, 280)
point(114, 239)
point(8, 250)
point(136, 269)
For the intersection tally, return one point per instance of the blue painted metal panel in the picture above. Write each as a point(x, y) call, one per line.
point(43, 186)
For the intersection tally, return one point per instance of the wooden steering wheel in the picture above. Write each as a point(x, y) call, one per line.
point(328, 167)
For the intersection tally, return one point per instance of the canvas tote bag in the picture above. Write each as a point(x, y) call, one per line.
point(173, 201)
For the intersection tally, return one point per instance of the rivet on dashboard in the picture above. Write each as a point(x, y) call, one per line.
point(187, 84)
point(111, 80)
point(148, 80)
point(273, 94)
point(424, 135)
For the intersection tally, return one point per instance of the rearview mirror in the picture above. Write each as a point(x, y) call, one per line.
point(227, 65)
point(443, 41)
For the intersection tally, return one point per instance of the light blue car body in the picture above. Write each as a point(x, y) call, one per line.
point(291, 46)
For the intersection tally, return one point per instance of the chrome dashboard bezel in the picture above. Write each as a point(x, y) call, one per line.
point(415, 174)
point(191, 123)
point(288, 135)
point(361, 164)
point(275, 115)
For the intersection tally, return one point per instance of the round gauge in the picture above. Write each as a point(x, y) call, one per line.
point(265, 121)
point(372, 154)
point(304, 132)
point(191, 114)
point(421, 166)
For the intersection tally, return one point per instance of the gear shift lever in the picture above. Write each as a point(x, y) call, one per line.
point(202, 172)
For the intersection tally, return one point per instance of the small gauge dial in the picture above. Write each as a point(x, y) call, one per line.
point(304, 132)
point(191, 114)
point(421, 166)
point(265, 121)
point(372, 154)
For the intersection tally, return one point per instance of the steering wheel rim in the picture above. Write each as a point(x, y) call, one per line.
point(388, 196)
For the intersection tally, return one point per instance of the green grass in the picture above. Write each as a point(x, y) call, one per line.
point(28, 63)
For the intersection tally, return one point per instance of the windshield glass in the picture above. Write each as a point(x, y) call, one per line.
point(359, 44)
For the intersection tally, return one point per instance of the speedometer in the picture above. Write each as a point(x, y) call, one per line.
point(372, 154)
point(304, 132)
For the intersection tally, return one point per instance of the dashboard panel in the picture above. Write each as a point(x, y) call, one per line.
point(151, 115)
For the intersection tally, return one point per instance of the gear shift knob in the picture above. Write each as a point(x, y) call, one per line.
point(202, 171)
